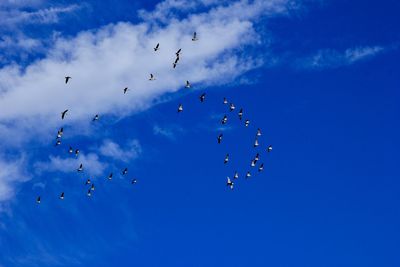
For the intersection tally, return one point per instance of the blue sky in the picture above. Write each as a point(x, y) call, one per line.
point(320, 78)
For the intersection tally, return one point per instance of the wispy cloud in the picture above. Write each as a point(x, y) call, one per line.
point(169, 132)
point(11, 172)
point(130, 150)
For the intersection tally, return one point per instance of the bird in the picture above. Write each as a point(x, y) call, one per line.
point(67, 78)
point(246, 123)
point(76, 152)
point(157, 47)
point(134, 181)
point(38, 200)
point(224, 119)
point(240, 114)
point(261, 168)
point(58, 142)
point(225, 101)
point(152, 78)
point(258, 132)
point(202, 97)
point(229, 183)
point(92, 187)
point(248, 175)
point(253, 163)
point(194, 38)
point(188, 85)
point(257, 157)
point(96, 117)
point(231, 107)
point(236, 175)
point(226, 159)
point(256, 143)
point(89, 193)
point(269, 148)
point(62, 196)
point(80, 168)
point(178, 52)
point(63, 114)
point(125, 171)
point(180, 108)
point(220, 138)
point(60, 132)
point(110, 176)
point(125, 90)
point(88, 182)
point(70, 150)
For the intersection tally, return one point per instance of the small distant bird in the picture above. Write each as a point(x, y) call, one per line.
point(125, 171)
point(76, 152)
point(256, 143)
point(80, 168)
point(70, 150)
point(224, 120)
point(253, 163)
point(152, 78)
point(62, 196)
point(261, 168)
point(269, 148)
point(157, 47)
point(248, 175)
point(63, 114)
point(178, 52)
point(180, 108)
point(257, 157)
point(225, 101)
point(246, 123)
point(110, 176)
point(229, 183)
point(125, 90)
point(220, 138)
point(194, 38)
point(67, 78)
point(258, 132)
point(236, 176)
point(188, 85)
point(231, 107)
point(96, 117)
point(92, 187)
point(89, 193)
point(202, 97)
point(226, 159)
point(88, 182)
point(175, 62)
point(240, 114)
point(134, 181)
point(58, 142)
point(38, 200)
point(60, 132)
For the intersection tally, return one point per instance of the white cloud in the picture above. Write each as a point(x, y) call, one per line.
point(329, 58)
point(113, 150)
point(11, 173)
point(169, 132)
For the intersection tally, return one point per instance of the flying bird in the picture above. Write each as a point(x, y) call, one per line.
point(152, 78)
point(110, 176)
point(225, 101)
point(256, 143)
point(178, 52)
point(125, 90)
point(67, 78)
point(62, 196)
point(70, 150)
point(240, 114)
point(258, 132)
point(269, 148)
point(125, 171)
point(246, 123)
point(76, 152)
point(226, 159)
point(92, 187)
point(231, 107)
point(157, 47)
point(202, 97)
point(80, 168)
point(134, 181)
point(188, 85)
point(220, 138)
point(261, 168)
point(58, 142)
point(88, 182)
point(248, 175)
point(180, 108)
point(96, 117)
point(229, 183)
point(60, 132)
point(236, 176)
point(89, 193)
point(224, 119)
point(194, 38)
point(38, 200)
point(257, 157)
point(63, 114)
point(253, 163)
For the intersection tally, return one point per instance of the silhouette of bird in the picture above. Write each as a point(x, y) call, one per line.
point(152, 78)
point(96, 117)
point(125, 171)
point(63, 114)
point(231, 107)
point(246, 123)
point(224, 119)
point(134, 181)
point(157, 47)
point(70, 150)
point(58, 142)
point(76, 152)
point(248, 175)
point(257, 157)
point(89, 193)
point(180, 108)
point(125, 90)
point(38, 200)
point(253, 163)
point(60, 132)
point(194, 38)
point(188, 85)
point(178, 52)
point(88, 182)
point(110, 176)
point(62, 196)
point(202, 97)
point(236, 175)
point(67, 78)
point(261, 168)
point(220, 138)
point(229, 183)
point(226, 159)
point(240, 114)
point(258, 132)
point(80, 168)
point(269, 148)
point(92, 187)
point(256, 143)
point(225, 101)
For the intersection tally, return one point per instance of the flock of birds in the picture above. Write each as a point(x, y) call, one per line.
point(202, 98)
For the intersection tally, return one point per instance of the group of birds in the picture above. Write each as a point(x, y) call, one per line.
point(202, 98)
